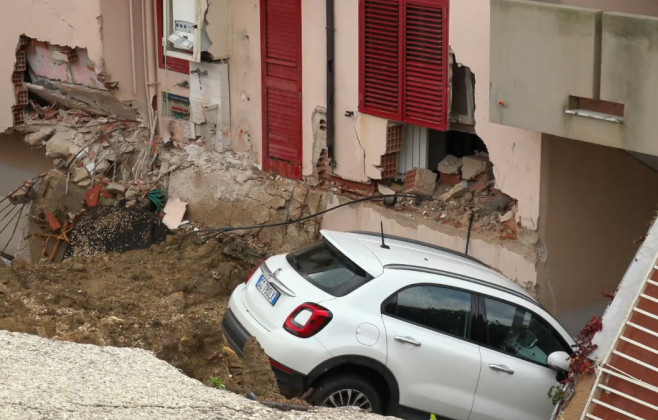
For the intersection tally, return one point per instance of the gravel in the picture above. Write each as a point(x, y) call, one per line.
point(48, 379)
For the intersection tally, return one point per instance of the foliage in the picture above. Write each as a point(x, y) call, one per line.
point(580, 362)
point(556, 394)
point(217, 382)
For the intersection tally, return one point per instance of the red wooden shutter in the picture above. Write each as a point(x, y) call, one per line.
point(426, 63)
point(380, 58)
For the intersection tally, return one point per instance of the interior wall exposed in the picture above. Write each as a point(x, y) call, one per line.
point(596, 202)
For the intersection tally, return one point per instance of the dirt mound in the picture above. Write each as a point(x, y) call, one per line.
point(160, 299)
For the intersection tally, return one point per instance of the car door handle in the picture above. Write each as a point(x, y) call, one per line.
point(407, 340)
point(501, 368)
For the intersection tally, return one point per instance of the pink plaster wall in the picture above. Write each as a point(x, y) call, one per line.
point(81, 70)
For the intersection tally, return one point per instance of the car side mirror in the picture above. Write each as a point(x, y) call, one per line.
point(559, 360)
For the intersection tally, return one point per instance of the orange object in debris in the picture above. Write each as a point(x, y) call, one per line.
point(53, 222)
point(92, 196)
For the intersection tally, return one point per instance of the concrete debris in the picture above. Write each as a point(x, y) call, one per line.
point(457, 191)
point(472, 166)
point(24, 194)
point(174, 213)
point(420, 181)
point(79, 174)
point(115, 188)
point(61, 144)
point(498, 201)
point(39, 137)
point(450, 165)
point(384, 190)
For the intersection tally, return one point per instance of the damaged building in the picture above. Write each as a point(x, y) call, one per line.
point(537, 158)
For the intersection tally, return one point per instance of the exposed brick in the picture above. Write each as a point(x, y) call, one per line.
point(92, 197)
point(21, 95)
point(21, 61)
point(17, 78)
point(53, 222)
point(420, 181)
point(449, 179)
point(393, 138)
point(389, 165)
point(18, 113)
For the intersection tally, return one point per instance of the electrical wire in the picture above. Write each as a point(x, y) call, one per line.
point(392, 198)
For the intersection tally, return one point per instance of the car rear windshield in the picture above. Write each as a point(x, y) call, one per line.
point(328, 269)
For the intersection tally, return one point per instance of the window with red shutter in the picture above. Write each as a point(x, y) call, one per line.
point(404, 61)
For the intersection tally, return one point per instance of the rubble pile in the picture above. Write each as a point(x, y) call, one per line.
point(463, 189)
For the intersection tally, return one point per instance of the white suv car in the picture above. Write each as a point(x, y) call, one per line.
point(402, 328)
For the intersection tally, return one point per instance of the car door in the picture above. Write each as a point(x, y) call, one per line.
point(515, 377)
point(428, 328)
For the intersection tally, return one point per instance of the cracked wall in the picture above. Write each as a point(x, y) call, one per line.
point(63, 23)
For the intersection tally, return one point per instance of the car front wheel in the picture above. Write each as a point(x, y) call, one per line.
point(345, 391)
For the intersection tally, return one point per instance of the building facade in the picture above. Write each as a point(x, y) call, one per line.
point(556, 96)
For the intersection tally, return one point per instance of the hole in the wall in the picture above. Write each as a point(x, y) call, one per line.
point(462, 106)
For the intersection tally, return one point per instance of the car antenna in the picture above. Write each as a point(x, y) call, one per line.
point(381, 226)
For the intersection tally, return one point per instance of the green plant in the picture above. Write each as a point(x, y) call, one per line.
point(556, 394)
point(217, 382)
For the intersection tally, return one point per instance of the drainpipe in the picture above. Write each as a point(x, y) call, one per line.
point(330, 80)
point(132, 46)
point(150, 74)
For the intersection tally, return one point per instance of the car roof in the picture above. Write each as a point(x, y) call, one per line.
point(365, 250)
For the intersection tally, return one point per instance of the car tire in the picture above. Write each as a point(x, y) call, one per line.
point(347, 390)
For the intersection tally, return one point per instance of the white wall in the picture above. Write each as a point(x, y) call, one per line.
point(515, 153)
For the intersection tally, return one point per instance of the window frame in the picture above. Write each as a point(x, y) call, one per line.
point(402, 114)
point(483, 335)
point(473, 310)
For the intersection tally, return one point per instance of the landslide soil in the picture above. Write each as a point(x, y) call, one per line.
point(162, 299)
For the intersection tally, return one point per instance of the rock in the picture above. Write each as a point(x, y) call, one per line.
point(85, 183)
point(450, 165)
point(37, 139)
point(4, 290)
point(115, 188)
point(111, 320)
point(457, 191)
point(420, 181)
point(60, 144)
point(473, 166)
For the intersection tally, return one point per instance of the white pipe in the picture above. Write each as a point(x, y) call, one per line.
point(132, 47)
point(145, 42)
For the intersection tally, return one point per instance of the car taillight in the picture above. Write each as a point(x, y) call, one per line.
point(254, 270)
point(307, 319)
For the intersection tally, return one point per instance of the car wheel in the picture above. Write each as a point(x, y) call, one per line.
point(346, 390)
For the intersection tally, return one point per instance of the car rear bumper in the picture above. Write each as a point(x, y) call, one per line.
point(236, 335)
point(291, 383)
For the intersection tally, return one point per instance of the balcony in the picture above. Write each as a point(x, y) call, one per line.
point(577, 73)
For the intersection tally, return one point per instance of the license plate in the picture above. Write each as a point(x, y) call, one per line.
point(270, 293)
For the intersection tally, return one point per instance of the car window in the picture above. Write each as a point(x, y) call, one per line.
point(327, 268)
point(519, 332)
point(439, 308)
